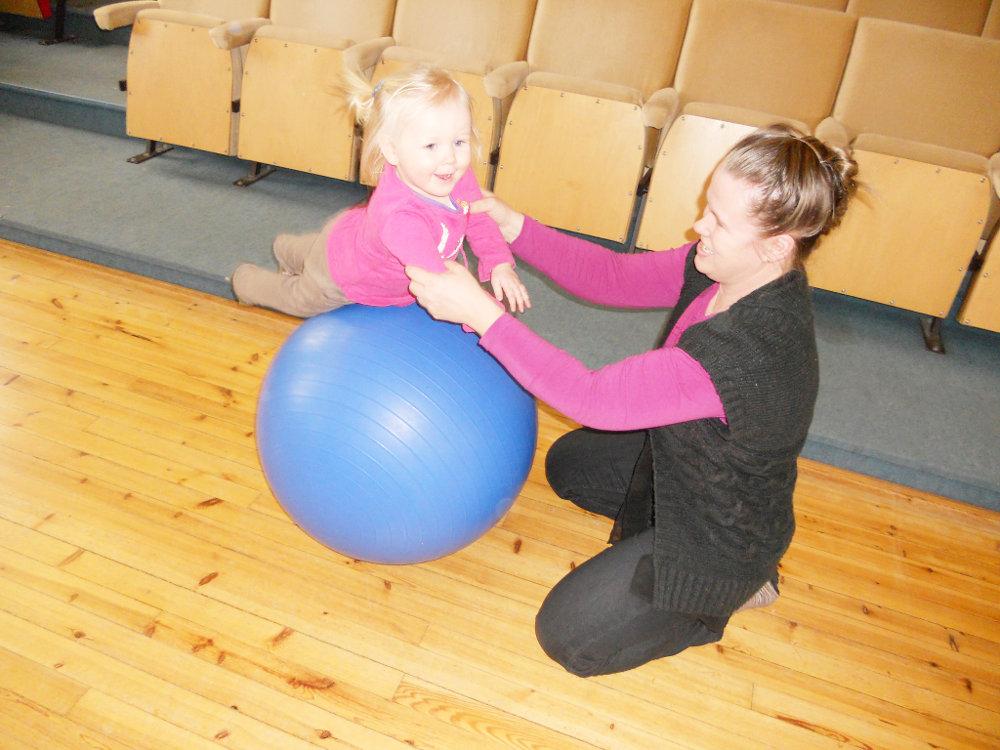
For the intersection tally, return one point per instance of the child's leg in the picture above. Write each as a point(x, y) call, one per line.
point(291, 250)
point(302, 295)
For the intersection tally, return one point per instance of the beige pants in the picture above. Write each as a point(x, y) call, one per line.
point(302, 287)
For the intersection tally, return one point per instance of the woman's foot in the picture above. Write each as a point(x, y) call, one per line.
point(765, 596)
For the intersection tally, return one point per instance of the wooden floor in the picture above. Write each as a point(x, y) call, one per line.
point(154, 595)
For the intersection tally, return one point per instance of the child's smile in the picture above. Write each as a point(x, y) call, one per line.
point(432, 150)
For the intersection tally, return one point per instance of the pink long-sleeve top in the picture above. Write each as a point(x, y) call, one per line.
point(370, 244)
point(652, 389)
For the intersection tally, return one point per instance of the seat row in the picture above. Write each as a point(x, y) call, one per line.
point(582, 104)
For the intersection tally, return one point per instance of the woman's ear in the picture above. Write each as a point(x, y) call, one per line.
point(779, 248)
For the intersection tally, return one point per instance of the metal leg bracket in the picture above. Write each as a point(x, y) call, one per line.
point(152, 149)
point(931, 329)
point(258, 172)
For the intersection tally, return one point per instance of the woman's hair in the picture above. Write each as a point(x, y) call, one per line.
point(383, 108)
point(802, 185)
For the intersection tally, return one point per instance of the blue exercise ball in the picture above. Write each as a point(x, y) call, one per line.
point(391, 437)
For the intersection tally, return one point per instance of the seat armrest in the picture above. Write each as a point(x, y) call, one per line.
point(503, 81)
point(363, 56)
point(661, 108)
point(834, 133)
point(116, 15)
point(233, 34)
point(181, 17)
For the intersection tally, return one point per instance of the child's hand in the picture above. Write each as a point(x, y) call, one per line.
point(506, 283)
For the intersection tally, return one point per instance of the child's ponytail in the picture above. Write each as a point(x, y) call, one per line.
point(359, 93)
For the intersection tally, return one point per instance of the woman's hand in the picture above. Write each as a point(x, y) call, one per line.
point(507, 284)
point(509, 220)
point(455, 296)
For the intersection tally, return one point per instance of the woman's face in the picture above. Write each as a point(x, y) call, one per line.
point(731, 249)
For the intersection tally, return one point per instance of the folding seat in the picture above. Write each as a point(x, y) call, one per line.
point(292, 113)
point(481, 43)
point(581, 129)
point(181, 88)
point(921, 108)
point(981, 307)
point(744, 64)
point(966, 16)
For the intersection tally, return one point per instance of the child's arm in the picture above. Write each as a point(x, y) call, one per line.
point(412, 239)
point(506, 283)
point(482, 232)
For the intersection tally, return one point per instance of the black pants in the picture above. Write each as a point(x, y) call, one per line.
point(600, 619)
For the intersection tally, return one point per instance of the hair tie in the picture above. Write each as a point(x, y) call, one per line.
point(376, 89)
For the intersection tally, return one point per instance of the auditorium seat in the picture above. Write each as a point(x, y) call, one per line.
point(181, 88)
point(586, 121)
point(921, 108)
point(744, 64)
point(981, 307)
point(292, 113)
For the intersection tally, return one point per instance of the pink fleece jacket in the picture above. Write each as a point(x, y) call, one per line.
point(659, 387)
point(370, 244)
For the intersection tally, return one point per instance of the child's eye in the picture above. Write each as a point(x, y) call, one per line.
point(460, 142)
point(430, 146)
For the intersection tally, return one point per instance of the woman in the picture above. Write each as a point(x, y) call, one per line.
point(692, 447)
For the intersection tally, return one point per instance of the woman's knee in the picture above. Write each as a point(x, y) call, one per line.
point(561, 463)
point(560, 642)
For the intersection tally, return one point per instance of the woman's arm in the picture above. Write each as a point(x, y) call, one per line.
point(660, 387)
point(597, 274)
point(586, 269)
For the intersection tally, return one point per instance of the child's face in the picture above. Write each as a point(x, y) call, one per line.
point(431, 151)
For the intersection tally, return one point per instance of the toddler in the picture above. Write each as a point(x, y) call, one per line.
point(418, 145)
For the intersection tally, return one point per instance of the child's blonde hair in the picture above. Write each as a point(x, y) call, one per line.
point(383, 108)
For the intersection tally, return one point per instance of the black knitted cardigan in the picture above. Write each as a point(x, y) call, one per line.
point(720, 493)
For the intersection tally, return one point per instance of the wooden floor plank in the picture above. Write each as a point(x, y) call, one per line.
point(154, 594)
point(27, 725)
